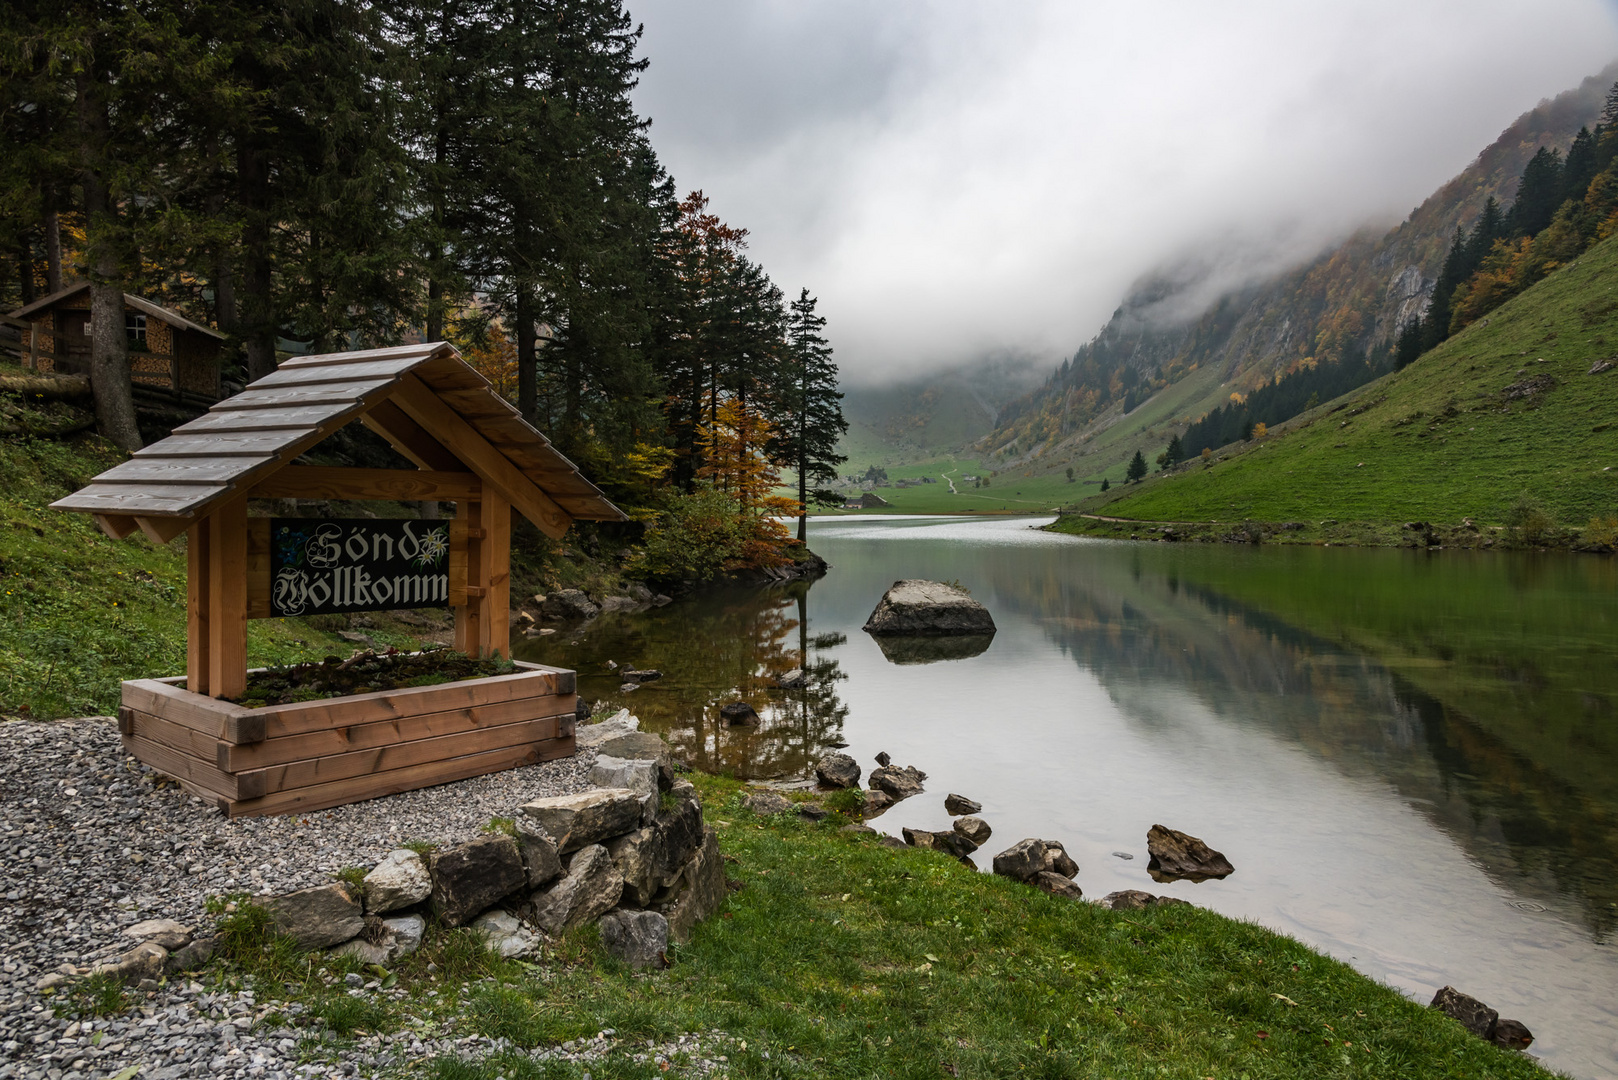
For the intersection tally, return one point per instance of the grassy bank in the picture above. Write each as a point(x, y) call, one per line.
point(1503, 423)
point(840, 957)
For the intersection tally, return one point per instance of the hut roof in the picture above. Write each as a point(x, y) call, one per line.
point(424, 399)
point(168, 315)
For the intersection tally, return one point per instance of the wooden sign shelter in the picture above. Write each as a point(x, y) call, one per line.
point(471, 447)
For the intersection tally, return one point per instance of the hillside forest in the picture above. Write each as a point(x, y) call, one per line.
point(1532, 201)
point(322, 175)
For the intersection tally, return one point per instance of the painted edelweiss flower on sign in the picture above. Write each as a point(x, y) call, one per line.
point(434, 546)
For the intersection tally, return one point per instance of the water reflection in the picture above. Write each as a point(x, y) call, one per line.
point(932, 650)
point(1412, 762)
point(731, 646)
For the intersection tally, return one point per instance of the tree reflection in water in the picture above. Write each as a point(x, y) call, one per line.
point(733, 645)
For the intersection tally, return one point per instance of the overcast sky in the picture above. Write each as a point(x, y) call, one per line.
point(959, 178)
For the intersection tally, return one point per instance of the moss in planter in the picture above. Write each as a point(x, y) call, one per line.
point(365, 673)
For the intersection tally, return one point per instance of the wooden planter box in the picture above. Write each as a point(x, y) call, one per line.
point(314, 755)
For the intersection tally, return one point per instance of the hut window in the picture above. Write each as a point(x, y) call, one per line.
point(135, 326)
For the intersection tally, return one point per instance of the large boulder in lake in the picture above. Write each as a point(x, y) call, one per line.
point(917, 608)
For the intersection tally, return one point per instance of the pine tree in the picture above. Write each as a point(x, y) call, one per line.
point(1539, 193)
point(1137, 468)
point(811, 414)
point(1176, 451)
point(1580, 166)
point(1434, 324)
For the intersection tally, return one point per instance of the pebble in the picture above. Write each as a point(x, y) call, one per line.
point(92, 842)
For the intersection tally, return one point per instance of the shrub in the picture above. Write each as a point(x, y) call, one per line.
point(1528, 520)
point(1602, 532)
point(696, 537)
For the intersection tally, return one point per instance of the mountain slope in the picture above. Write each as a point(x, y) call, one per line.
point(1522, 403)
point(930, 417)
point(1349, 301)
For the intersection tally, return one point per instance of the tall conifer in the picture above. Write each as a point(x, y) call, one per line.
point(812, 417)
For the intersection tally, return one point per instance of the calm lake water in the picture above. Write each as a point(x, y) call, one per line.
point(1411, 759)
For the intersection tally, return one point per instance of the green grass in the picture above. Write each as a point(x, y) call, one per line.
point(1439, 441)
point(80, 612)
point(839, 957)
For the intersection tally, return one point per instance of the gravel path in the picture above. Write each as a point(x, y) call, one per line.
point(92, 841)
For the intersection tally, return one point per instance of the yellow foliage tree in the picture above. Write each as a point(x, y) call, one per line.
point(733, 449)
point(495, 358)
point(1260, 430)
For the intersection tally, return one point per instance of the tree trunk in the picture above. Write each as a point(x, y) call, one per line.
point(25, 270)
point(53, 252)
point(258, 311)
point(109, 345)
point(435, 256)
point(224, 293)
point(527, 360)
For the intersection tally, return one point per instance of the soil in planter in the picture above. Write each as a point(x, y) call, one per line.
point(365, 673)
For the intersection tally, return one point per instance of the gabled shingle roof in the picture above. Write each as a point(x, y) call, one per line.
point(433, 407)
point(168, 315)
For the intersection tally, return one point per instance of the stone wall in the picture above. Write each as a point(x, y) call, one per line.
point(633, 854)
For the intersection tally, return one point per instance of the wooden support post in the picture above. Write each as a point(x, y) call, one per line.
point(197, 596)
point(494, 553)
point(227, 599)
point(469, 631)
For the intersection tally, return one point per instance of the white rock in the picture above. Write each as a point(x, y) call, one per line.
point(165, 932)
point(398, 881)
point(505, 934)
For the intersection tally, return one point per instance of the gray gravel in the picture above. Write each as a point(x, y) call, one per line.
point(92, 841)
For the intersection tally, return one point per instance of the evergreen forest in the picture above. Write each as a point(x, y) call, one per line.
point(321, 175)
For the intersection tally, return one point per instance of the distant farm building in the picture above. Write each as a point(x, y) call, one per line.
point(165, 348)
point(868, 501)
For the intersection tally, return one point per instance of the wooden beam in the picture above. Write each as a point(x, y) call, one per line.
point(227, 598)
point(258, 569)
point(469, 633)
point(116, 526)
point(160, 530)
point(461, 439)
point(410, 438)
point(197, 594)
point(494, 551)
point(404, 485)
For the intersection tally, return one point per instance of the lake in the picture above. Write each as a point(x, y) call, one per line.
point(1411, 758)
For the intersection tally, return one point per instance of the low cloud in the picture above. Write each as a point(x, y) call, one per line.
point(956, 179)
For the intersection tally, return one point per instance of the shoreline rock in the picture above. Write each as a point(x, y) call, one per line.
point(1178, 856)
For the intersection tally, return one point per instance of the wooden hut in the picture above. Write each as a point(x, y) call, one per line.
point(166, 349)
point(469, 446)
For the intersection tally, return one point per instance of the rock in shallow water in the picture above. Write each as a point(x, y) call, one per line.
point(959, 804)
point(897, 782)
point(1472, 1014)
point(917, 607)
point(974, 829)
point(1177, 856)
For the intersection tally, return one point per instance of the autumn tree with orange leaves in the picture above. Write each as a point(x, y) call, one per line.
point(733, 447)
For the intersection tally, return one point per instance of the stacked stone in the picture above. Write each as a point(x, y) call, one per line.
point(634, 854)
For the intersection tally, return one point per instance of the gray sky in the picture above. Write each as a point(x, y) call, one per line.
point(958, 178)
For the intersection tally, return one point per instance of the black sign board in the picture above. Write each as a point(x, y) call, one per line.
point(320, 565)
